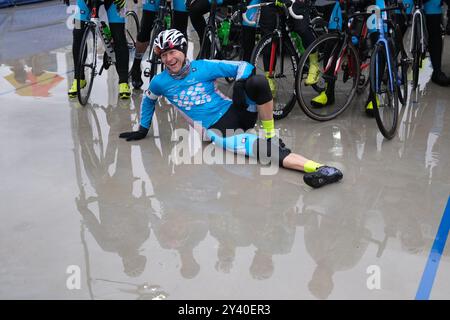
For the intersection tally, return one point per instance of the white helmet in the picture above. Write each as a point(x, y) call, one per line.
point(168, 40)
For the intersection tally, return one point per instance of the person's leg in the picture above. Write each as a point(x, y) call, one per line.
point(447, 28)
point(242, 115)
point(117, 26)
point(197, 8)
point(248, 42)
point(257, 90)
point(142, 42)
point(77, 33)
point(326, 97)
point(302, 27)
point(435, 44)
point(80, 20)
point(267, 24)
point(180, 16)
point(180, 21)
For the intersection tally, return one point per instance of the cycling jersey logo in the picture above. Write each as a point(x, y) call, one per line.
point(194, 95)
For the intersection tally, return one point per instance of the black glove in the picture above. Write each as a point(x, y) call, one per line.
point(134, 135)
point(66, 2)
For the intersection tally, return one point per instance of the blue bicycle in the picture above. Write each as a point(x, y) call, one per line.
point(388, 71)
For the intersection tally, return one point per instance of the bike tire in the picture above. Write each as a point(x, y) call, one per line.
point(153, 59)
point(401, 65)
point(302, 93)
point(416, 53)
point(379, 74)
point(283, 103)
point(131, 28)
point(88, 50)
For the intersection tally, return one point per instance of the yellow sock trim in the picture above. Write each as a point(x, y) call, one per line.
point(311, 166)
point(269, 127)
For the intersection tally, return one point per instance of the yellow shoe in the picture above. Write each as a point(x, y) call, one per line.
point(74, 89)
point(272, 84)
point(124, 91)
point(313, 71)
point(321, 100)
point(369, 107)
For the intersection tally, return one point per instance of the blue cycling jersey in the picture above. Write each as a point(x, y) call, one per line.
point(83, 13)
point(196, 95)
point(432, 6)
point(152, 5)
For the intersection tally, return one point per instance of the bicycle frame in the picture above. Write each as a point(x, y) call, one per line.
point(212, 29)
point(96, 22)
point(419, 14)
point(158, 26)
point(337, 23)
point(278, 34)
point(383, 39)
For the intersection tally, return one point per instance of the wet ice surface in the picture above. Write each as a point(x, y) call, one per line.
point(141, 226)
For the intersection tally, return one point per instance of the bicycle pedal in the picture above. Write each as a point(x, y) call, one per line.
point(147, 72)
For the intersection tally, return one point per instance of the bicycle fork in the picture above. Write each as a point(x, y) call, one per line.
point(418, 15)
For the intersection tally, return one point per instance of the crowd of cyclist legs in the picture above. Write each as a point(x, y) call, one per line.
point(196, 9)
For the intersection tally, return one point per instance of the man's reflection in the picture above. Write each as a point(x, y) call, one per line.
point(122, 225)
point(262, 216)
point(39, 80)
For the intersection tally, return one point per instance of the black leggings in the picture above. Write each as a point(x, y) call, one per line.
point(267, 24)
point(434, 40)
point(180, 22)
point(120, 48)
point(197, 8)
point(237, 117)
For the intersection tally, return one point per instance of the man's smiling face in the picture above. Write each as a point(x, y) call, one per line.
point(173, 60)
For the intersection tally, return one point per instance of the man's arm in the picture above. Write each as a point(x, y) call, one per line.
point(239, 70)
point(147, 111)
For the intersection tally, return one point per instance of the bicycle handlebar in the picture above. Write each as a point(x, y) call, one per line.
point(250, 23)
point(293, 15)
point(287, 6)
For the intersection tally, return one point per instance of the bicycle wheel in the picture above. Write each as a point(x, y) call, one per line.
point(384, 91)
point(339, 70)
point(155, 62)
point(402, 77)
point(401, 65)
point(210, 48)
point(131, 32)
point(131, 28)
point(279, 66)
point(87, 63)
point(364, 59)
point(416, 52)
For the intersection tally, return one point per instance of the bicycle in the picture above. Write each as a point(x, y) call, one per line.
point(210, 44)
point(131, 28)
point(162, 22)
point(230, 28)
point(419, 40)
point(278, 53)
point(344, 56)
point(87, 61)
point(386, 84)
